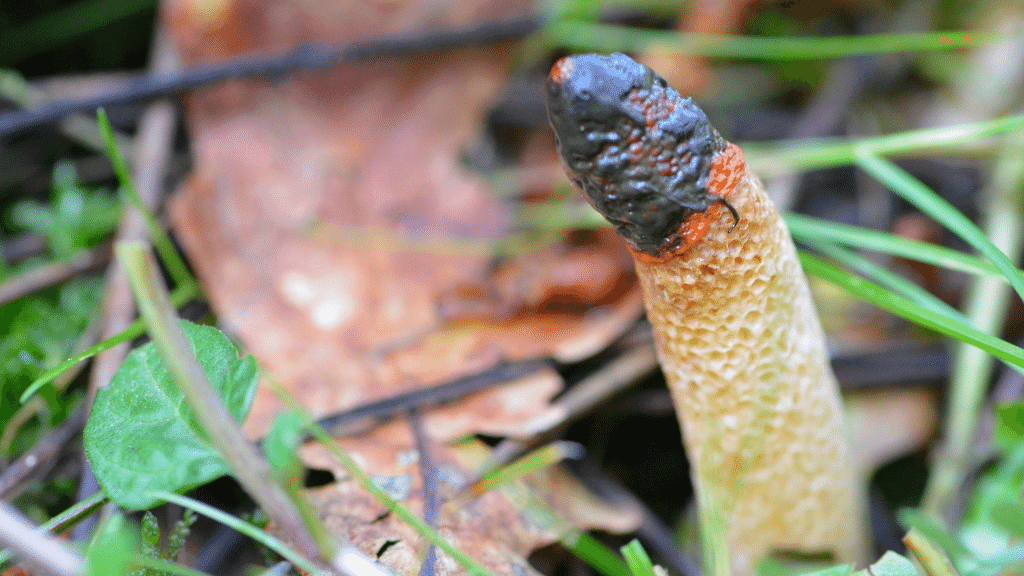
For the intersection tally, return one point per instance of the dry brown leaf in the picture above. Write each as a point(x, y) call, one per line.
point(489, 528)
point(375, 148)
point(497, 528)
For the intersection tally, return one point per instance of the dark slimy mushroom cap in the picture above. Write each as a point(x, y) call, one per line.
point(641, 153)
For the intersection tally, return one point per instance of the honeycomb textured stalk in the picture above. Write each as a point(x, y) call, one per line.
point(743, 352)
point(737, 334)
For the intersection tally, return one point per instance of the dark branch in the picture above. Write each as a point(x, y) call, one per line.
point(436, 395)
point(277, 65)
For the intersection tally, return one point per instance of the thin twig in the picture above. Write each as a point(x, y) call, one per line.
point(46, 275)
point(41, 456)
point(277, 65)
point(652, 531)
point(251, 470)
point(47, 554)
point(612, 378)
point(78, 127)
point(154, 142)
point(21, 247)
point(434, 395)
point(431, 496)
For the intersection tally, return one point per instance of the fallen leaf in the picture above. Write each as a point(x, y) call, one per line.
point(499, 528)
point(325, 215)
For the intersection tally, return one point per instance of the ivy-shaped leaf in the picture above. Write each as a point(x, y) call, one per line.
point(142, 436)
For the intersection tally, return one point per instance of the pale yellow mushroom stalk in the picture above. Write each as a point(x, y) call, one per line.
point(737, 334)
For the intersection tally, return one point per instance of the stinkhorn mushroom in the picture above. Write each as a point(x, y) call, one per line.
point(737, 334)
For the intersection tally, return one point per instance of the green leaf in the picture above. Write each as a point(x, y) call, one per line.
point(114, 550)
point(142, 436)
point(282, 441)
point(1010, 517)
point(74, 219)
point(837, 570)
point(892, 564)
point(1009, 431)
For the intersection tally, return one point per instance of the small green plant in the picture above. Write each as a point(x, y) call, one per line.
point(42, 331)
point(150, 541)
point(75, 218)
point(142, 436)
point(44, 328)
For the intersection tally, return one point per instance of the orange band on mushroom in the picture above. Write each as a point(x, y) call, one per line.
point(726, 172)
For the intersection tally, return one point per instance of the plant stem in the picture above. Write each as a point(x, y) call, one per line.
point(175, 265)
point(608, 38)
point(241, 456)
point(931, 557)
point(242, 526)
point(987, 302)
point(46, 553)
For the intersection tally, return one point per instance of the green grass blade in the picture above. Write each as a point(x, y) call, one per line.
point(591, 551)
point(75, 514)
point(179, 296)
point(931, 204)
point(66, 519)
point(637, 559)
point(594, 553)
point(538, 459)
point(168, 254)
point(904, 308)
point(810, 154)
point(890, 280)
point(578, 35)
point(808, 229)
point(242, 526)
point(469, 564)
